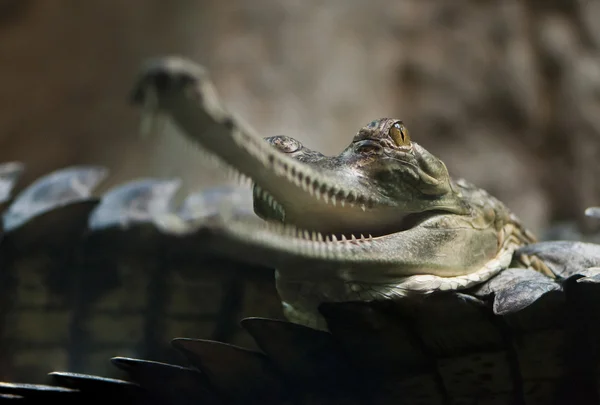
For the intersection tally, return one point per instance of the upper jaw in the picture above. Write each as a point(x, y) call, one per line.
point(340, 209)
point(339, 212)
point(395, 200)
point(323, 199)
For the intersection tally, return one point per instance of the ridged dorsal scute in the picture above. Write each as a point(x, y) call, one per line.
point(305, 356)
point(425, 343)
point(235, 372)
point(516, 289)
point(215, 201)
point(60, 188)
point(170, 383)
point(37, 394)
point(381, 347)
point(564, 258)
point(52, 213)
point(370, 330)
point(89, 386)
point(134, 202)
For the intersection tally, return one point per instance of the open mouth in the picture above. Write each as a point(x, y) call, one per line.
point(384, 212)
point(345, 222)
point(300, 193)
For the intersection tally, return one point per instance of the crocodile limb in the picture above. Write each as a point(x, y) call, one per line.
point(426, 232)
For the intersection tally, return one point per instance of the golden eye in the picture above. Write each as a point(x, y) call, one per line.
point(399, 134)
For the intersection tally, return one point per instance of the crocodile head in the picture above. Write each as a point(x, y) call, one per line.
point(381, 183)
point(424, 232)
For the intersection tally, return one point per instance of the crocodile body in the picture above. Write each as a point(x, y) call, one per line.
point(379, 221)
point(444, 299)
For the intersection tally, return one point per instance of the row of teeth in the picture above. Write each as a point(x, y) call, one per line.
point(268, 198)
point(313, 236)
point(329, 194)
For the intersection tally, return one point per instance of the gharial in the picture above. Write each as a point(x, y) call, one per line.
point(427, 280)
point(424, 231)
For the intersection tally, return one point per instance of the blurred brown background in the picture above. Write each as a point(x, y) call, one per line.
point(506, 92)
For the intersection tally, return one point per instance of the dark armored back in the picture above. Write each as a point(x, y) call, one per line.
point(84, 278)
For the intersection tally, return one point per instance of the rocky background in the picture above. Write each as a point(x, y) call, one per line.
point(506, 92)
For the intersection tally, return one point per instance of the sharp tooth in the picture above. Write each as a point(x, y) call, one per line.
point(333, 238)
point(278, 169)
point(362, 237)
point(344, 238)
point(370, 236)
point(353, 237)
point(319, 236)
point(306, 235)
point(303, 185)
point(333, 201)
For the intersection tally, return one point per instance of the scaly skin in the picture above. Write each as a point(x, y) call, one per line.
point(425, 232)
